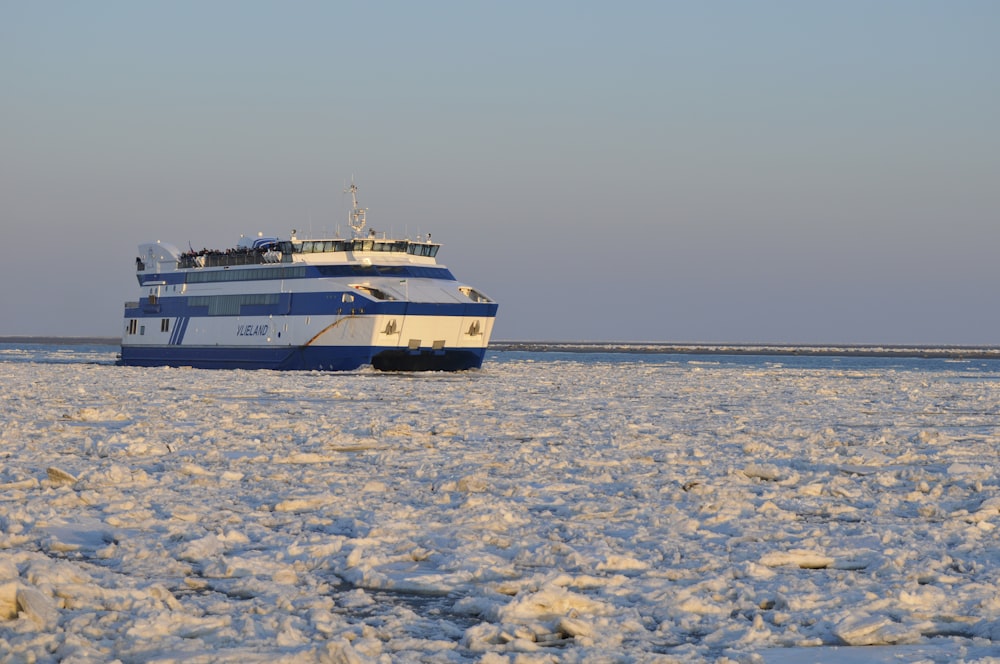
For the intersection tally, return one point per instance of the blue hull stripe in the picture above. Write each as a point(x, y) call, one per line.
point(313, 304)
point(317, 358)
point(180, 327)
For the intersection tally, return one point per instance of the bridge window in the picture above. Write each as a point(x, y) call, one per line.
point(474, 295)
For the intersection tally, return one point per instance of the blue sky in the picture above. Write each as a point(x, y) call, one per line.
point(715, 171)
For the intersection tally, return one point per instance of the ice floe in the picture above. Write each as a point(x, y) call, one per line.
point(562, 510)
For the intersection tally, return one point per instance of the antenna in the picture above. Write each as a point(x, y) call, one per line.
point(357, 217)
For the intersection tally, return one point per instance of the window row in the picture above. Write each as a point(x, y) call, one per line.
point(229, 305)
point(397, 246)
point(133, 326)
point(414, 271)
point(300, 272)
point(251, 274)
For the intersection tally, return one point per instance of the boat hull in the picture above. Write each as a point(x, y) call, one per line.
point(303, 358)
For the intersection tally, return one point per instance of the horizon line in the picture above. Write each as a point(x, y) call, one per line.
point(945, 351)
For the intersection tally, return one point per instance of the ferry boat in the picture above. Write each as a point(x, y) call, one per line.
point(319, 304)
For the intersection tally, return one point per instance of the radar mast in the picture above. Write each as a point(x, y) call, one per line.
point(356, 219)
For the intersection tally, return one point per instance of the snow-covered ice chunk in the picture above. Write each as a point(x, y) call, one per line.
point(38, 607)
point(202, 549)
point(92, 414)
point(550, 602)
point(8, 599)
point(59, 476)
point(302, 504)
point(797, 557)
point(875, 630)
point(764, 471)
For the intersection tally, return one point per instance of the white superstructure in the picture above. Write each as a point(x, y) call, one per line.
point(319, 303)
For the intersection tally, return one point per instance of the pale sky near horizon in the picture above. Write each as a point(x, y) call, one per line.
point(788, 172)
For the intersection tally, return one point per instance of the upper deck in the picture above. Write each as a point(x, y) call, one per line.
point(307, 251)
point(159, 258)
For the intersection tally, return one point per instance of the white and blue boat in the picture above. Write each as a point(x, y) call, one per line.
point(317, 304)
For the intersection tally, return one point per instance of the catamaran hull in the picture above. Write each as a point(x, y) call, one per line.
point(304, 358)
point(386, 341)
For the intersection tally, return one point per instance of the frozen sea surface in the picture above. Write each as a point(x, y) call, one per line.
point(548, 508)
